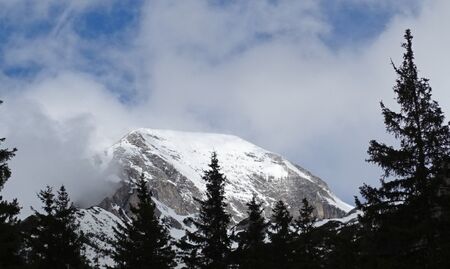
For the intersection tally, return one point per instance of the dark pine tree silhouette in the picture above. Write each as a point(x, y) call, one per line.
point(143, 242)
point(10, 238)
point(251, 251)
point(54, 241)
point(306, 219)
point(306, 252)
point(280, 235)
point(397, 221)
point(339, 248)
point(209, 246)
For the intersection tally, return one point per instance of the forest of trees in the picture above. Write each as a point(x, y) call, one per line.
point(402, 223)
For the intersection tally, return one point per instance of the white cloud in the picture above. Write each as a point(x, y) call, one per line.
point(50, 153)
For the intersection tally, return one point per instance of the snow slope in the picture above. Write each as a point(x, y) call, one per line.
point(98, 226)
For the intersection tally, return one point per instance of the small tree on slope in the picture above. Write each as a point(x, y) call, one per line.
point(54, 241)
point(209, 246)
point(144, 242)
point(251, 251)
point(306, 252)
point(280, 234)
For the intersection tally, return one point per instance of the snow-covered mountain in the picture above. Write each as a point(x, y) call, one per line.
point(173, 163)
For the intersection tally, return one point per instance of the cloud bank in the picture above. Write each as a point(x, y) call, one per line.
point(273, 72)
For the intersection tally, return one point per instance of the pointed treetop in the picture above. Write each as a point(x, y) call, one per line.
point(408, 44)
point(144, 194)
point(214, 161)
point(47, 198)
point(63, 201)
point(408, 57)
point(306, 219)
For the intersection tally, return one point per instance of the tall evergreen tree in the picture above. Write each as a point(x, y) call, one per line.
point(144, 242)
point(10, 238)
point(281, 235)
point(251, 251)
point(397, 220)
point(209, 246)
point(306, 251)
point(54, 241)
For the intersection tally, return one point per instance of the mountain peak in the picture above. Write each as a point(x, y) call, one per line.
point(180, 158)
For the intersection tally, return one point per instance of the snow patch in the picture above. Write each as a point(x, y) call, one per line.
point(333, 200)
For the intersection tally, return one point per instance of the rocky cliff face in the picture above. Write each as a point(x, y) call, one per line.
point(173, 162)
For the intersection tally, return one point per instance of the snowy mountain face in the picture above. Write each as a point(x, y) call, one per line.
point(98, 226)
point(174, 162)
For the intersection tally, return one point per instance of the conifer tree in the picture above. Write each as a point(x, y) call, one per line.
point(54, 241)
point(143, 242)
point(397, 220)
point(306, 219)
point(10, 238)
point(280, 236)
point(209, 246)
point(251, 251)
point(306, 253)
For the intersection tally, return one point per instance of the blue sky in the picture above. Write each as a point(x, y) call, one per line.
point(114, 25)
point(354, 22)
point(301, 78)
point(350, 23)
